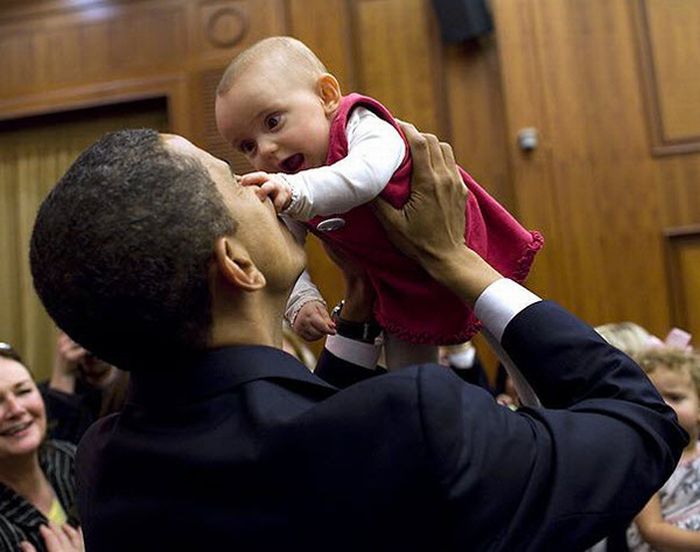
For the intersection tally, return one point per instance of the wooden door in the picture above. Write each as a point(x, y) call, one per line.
point(598, 79)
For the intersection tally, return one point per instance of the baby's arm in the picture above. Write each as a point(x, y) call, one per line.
point(662, 535)
point(306, 310)
point(375, 151)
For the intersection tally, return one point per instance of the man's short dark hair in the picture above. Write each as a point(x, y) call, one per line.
point(121, 249)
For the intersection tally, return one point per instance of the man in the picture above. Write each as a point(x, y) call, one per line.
point(82, 388)
point(150, 254)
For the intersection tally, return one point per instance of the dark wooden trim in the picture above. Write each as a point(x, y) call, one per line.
point(676, 239)
point(172, 87)
point(661, 145)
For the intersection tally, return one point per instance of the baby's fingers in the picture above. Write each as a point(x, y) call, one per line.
point(322, 324)
point(268, 189)
point(254, 179)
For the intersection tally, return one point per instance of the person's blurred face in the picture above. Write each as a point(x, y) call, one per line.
point(22, 412)
point(271, 245)
point(678, 390)
point(277, 119)
point(95, 372)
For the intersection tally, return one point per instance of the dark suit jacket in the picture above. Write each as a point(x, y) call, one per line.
point(247, 450)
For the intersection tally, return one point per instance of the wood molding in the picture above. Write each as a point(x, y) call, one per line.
point(18, 10)
point(226, 26)
point(662, 142)
point(684, 286)
point(172, 87)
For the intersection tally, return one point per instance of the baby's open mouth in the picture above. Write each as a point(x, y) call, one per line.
point(293, 163)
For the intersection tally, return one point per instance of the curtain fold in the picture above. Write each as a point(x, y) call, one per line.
point(32, 159)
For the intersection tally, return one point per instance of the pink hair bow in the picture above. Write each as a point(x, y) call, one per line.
point(676, 338)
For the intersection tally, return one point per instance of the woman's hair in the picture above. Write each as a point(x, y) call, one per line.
point(8, 351)
point(629, 337)
point(675, 360)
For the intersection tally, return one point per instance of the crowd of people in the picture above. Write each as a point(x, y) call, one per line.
point(218, 431)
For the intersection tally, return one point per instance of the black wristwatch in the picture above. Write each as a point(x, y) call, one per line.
point(366, 332)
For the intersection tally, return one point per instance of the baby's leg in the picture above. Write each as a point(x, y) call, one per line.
point(399, 353)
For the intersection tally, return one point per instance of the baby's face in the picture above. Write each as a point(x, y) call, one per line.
point(677, 389)
point(276, 119)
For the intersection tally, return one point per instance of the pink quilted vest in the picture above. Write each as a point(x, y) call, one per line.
point(410, 304)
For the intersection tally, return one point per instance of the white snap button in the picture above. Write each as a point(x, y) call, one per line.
point(330, 224)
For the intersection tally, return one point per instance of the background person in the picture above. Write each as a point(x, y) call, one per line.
point(37, 479)
point(82, 389)
point(671, 519)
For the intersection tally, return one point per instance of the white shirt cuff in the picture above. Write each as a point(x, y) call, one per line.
point(499, 303)
point(350, 350)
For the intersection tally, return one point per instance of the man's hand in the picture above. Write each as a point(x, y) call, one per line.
point(431, 224)
point(312, 321)
point(66, 364)
point(269, 185)
point(430, 227)
point(359, 293)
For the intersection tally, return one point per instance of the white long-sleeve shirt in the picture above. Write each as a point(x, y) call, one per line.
point(497, 305)
point(375, 152)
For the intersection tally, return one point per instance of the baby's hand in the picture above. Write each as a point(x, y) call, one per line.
point(269, 185)
point(312, 321)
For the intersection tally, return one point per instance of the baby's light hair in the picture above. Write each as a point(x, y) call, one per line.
point(629, 337)
point(283, 50)
point(672, 359)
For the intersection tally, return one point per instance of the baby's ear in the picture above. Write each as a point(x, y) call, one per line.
point(329, 92)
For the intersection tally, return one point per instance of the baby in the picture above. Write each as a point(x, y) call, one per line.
point(671, 519)
point(325, 156)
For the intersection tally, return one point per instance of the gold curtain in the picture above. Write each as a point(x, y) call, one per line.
point(32, 159)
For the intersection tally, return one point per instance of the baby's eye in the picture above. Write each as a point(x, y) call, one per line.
point(273, 121)
point(247, 146)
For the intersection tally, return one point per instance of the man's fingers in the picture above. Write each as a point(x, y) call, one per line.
point(425, 149)
point(418, 144)
point(267, 189)
point(447, 154)
point(386, 213)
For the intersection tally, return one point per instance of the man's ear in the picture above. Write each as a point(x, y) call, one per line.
point(236, 266)
point(329, 92)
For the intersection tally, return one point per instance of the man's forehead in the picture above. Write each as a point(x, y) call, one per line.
point(178, 143)
point(181, 145)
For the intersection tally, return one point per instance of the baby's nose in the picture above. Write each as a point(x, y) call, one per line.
point(267, 146)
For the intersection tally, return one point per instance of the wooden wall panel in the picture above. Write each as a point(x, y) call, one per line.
point(678, 179)
point(58, 55)
point(669, 41)
point(97, 43)
point(684, 276)
point(222, 28)
point(398, 62)
point(572, 70)
point(324, 26)
point(476, 115)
